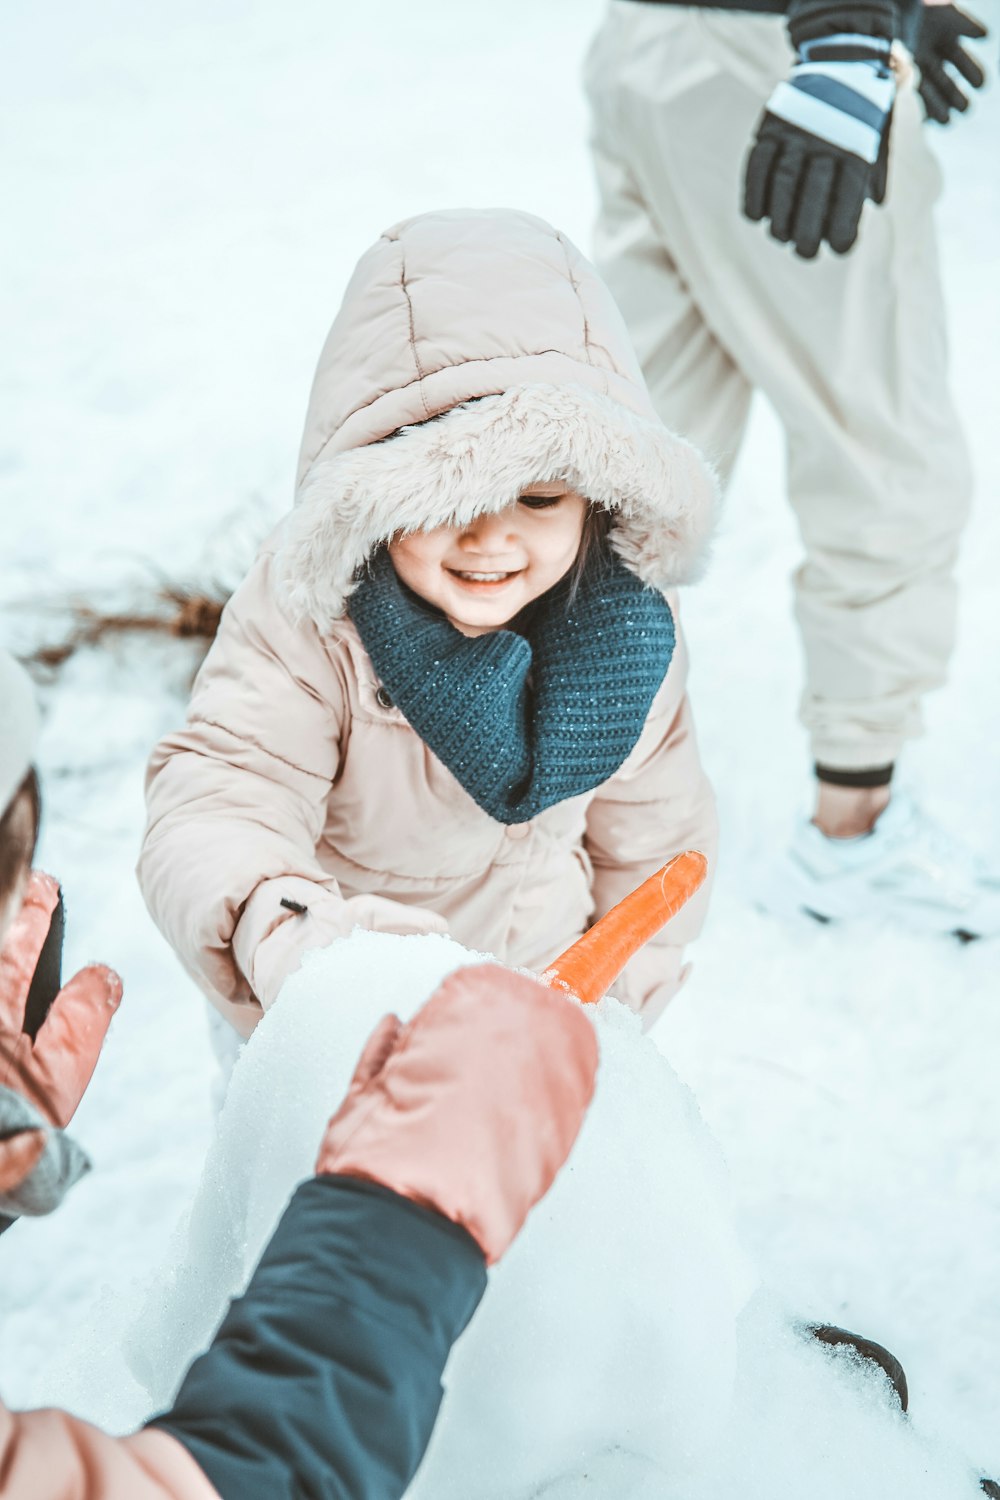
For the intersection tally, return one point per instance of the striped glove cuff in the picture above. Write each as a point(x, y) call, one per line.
point(841, 91)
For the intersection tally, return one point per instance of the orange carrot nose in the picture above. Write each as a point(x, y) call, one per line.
point(590, 967)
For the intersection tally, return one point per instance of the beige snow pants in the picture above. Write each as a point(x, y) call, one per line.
point(850, 351)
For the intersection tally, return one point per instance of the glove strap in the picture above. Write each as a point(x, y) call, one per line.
point(847, 47)
point(841, 92)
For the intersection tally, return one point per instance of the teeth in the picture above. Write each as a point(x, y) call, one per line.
point(484, 577)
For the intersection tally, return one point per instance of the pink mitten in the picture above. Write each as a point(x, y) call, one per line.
point(52, 1069)
point(473, 1107)
point(271, 938)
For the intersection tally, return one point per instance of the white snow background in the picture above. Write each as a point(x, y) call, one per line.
point(623, 1348)
point(184, 195)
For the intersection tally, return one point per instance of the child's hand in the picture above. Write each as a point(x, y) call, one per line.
point(429, 1110)
point(50, 1062)
point(287, 917)
point(50, 1040)
point(378, 914)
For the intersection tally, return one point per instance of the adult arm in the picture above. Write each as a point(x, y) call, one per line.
point(822, 143)
point(325, 1377)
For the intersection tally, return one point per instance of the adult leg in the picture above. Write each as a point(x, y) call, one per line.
point(697, 387)
point(851, 353)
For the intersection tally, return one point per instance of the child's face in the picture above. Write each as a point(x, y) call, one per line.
point(482, 575)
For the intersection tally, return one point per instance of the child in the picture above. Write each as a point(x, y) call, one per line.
point(450, 694)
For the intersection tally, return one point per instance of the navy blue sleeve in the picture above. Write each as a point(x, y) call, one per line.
point(325, 1377)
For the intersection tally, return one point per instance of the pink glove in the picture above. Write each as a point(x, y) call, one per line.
point(271, 940)
point(473, 1107)
point(53, 1070)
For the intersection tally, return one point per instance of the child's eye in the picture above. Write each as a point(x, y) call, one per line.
point(540, 502)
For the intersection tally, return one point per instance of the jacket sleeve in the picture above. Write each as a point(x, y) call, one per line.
point(891, 19)
point(325, 1377)
point(659, 804)
point(49, 1455)
point(239, 795)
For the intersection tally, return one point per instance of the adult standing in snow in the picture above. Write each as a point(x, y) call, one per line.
point(805, 109)
point(325, 1377)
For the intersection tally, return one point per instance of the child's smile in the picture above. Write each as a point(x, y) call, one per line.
point(482, 575)
point(491, 581)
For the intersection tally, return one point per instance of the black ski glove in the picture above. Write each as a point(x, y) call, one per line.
point(938, 43)
point(822, 143)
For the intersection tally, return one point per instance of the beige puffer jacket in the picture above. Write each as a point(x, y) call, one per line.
point(292, 767)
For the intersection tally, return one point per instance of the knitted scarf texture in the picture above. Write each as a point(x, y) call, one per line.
point(525, 717)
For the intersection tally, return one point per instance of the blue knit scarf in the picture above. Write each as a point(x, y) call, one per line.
point(545, 709)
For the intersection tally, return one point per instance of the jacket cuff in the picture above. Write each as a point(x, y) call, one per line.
point(269, 939)
point(325, 1377)
point(810, 19)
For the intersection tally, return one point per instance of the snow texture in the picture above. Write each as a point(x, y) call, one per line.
point(188, 195)
point(615, 1338)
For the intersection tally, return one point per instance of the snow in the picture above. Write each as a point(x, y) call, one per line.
point(624, 1327)
point(531, 1338)
point(187, 197)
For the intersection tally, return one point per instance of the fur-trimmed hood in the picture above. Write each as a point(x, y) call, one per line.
point(491, 352)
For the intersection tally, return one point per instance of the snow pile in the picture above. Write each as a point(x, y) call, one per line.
point(616, 1352)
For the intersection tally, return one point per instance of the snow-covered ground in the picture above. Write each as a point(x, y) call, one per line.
point(184, 194)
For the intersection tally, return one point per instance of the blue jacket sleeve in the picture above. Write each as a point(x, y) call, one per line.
point(325, 1377)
